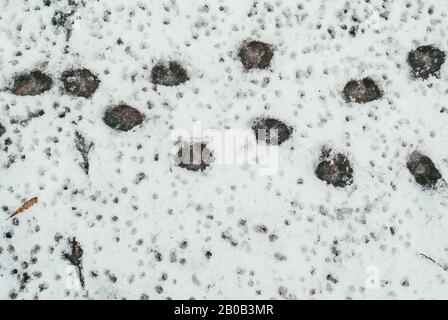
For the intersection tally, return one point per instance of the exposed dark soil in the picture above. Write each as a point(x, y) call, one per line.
point(426, 61)
point(80, 82)
point(194, 156)
point(123, 117)
point(271, 131)
point(334, 169)
point(169, 74)
point(423, 170)
point(2, 130)
point(31, 84)
point(362, 91)
point(256, 55)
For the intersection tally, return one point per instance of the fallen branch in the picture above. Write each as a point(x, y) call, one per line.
point(445, 268)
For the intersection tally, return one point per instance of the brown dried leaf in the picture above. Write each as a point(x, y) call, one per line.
point(28, 204)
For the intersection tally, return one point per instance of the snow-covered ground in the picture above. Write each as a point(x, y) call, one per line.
point(149, 229)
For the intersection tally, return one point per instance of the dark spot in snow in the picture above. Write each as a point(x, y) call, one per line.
point(80, 82)
point(169, 74)
point(228, 237)
point(423, 170)
point(140, 176)
point(2, 130)
point(24, 280)
point(13, 295)
point(280, 257)
point(159, 289)
point(31, 84)
point(194, 156)
point(183, 244)
point(362, 91)
point(261, 228)
point(332, 279)
point(112, 277)
point(353, 31)
point(123, 117)
point(334, 169)
point(271, 131)
point(255, 55)
point(425, 61)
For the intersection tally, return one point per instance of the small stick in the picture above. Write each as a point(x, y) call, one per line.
point(433, 261)
point(24, 207)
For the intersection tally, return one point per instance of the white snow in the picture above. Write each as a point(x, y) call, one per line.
point(321, 230)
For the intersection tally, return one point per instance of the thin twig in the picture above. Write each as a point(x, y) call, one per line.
point(433, 261)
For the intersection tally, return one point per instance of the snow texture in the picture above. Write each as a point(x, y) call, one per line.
point(117, 219)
